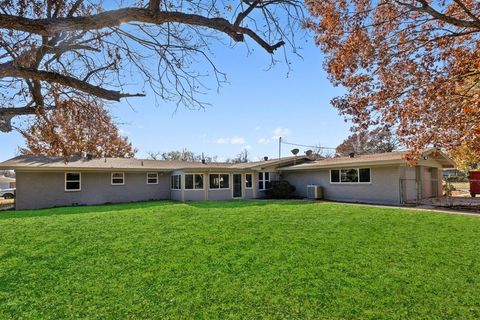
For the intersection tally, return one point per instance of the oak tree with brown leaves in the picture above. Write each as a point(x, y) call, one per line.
point(54, 50)
point(410, 64)
point(76, 128)
point(378, 140)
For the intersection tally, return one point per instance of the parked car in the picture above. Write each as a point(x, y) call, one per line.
point(8, 193)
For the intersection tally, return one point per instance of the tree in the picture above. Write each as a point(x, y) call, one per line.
point(240, 158)
point(465, 158)
point(378, 140)
point(74, 49)
point(413, 65)
point(76, 128)
point(180, 155)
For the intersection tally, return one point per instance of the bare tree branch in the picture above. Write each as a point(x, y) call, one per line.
point(51, 51)
point(113, 18)
point(9, 70)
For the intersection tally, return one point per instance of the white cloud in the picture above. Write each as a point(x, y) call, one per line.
point(237, 140)
point(233, 140)
point(280, 132)
point(248, 147)
point(263, 141)
point(222, 140)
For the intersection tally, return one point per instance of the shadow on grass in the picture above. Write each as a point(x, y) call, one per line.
point(227, 204)
point(232, 204)
point(85, 209)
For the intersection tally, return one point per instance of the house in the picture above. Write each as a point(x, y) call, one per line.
point(6, 182)
point(384, 178)
point(381, 178)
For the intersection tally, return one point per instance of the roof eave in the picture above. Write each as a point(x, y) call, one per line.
point(345, 165)
point(17, 168)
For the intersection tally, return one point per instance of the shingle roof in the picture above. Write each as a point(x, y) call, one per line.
point(396, 157)
point(78, 163)
point(124, 164)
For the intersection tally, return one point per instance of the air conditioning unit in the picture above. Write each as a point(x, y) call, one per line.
point(314, 191)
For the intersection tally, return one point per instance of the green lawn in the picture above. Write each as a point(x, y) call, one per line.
point(245, 260)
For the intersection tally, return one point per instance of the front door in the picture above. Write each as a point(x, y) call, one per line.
point(237, 185)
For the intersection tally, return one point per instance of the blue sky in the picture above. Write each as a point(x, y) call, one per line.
point(251, 111)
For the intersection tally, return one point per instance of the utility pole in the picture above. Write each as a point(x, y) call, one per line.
point(279, 147)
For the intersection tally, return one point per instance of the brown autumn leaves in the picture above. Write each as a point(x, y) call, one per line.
point(410, 65)
point(76, 128)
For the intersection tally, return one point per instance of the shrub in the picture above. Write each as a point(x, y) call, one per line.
point(280, 190)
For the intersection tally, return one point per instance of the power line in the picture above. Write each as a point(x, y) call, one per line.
point(304, 145)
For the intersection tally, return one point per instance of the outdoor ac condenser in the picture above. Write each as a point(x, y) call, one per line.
point(314, 192)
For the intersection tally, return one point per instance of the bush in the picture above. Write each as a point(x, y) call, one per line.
point(280, 190)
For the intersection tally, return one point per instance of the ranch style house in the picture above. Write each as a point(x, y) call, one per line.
point(386, 178)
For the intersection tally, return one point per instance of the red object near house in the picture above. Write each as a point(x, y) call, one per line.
point(474, 178)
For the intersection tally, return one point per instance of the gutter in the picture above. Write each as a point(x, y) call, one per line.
point(344, 165)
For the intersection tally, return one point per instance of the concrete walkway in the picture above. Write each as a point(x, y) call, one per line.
point(420, 207)
point(461, 203)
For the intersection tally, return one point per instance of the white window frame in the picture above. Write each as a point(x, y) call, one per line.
point(358, 173)
point(253, 182)
point(194, 185)
point(219, 174)
point(117, 184)
point(156, 177)
point(79, 181)
point(172, 185)
point(264, 180)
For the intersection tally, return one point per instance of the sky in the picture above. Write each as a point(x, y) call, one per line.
point(255, 107)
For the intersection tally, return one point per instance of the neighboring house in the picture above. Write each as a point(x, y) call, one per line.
point(381, 178)
point(6, 182)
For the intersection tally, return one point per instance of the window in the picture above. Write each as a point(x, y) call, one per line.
point(248, 181)
point(361, 175)
point(189, 181)
point(219, 181)
point(152, 178)
point(176, 182)
point(199, 181)
point(349, 175)
point(194, 181)
point(364, 175)
point(118, 178)
point(73, 181)
point(334, 175)
point(263, 180)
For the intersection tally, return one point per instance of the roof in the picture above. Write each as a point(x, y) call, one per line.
point(397, 157)
point(79, 163)
point(287, 163)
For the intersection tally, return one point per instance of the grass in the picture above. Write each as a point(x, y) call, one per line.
point(238, 259)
